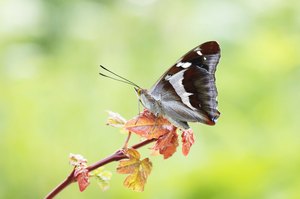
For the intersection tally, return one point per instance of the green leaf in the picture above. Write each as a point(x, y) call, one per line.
point(103, 178)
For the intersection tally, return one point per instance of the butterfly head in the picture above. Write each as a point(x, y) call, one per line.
point(142, 95)
point(148, 101)
point(138, 91)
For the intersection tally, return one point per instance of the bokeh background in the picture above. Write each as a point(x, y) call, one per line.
point(53, 102)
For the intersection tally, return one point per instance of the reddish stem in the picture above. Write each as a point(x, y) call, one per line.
point(118, 155)
point(127, 140)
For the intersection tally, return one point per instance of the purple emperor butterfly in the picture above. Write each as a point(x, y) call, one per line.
point(187, 91)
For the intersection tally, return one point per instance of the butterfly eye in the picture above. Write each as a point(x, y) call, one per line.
point(138, 91)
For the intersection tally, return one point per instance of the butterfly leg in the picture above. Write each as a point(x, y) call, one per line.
point(157, 115)
point(139, 111)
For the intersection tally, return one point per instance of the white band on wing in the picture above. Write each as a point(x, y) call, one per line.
point(183, 64)
point(176, 82)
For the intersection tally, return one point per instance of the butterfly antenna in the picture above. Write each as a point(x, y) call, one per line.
point(124, 80)
point(119, 80)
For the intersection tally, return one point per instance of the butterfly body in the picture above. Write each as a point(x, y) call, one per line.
point(187, 91)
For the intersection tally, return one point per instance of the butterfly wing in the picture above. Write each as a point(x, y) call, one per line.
point(187, 91)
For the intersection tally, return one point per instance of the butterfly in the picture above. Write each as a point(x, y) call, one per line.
point(187, 91)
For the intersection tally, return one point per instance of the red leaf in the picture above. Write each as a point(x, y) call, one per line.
point(167, 144)
point(82, 177)
point(187, 141)
point(148, 125)
point(81, 173)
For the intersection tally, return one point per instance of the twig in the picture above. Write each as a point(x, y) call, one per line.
point(127, 140)
point(118, 155)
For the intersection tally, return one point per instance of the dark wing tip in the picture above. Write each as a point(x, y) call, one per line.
point(212, 121)
point(210, 47)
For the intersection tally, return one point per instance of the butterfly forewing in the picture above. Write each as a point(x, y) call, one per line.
point(206, 55)
point(187, 91)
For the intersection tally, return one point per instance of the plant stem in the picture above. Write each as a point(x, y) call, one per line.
point(70, 179)
point(127, 140)
point(118, 155)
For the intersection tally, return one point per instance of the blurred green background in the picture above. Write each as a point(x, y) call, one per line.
point(53, 102)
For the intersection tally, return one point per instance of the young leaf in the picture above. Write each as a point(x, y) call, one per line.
point(77, 160)
point(115, 119)
point(137, 180)
point(81, 173)
point(148, 125)
point(146, 167)
point(187, 141)
point(167, 144)
point(82, 177)
point(103, 177)
point(129, 165)
point(137, 169)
